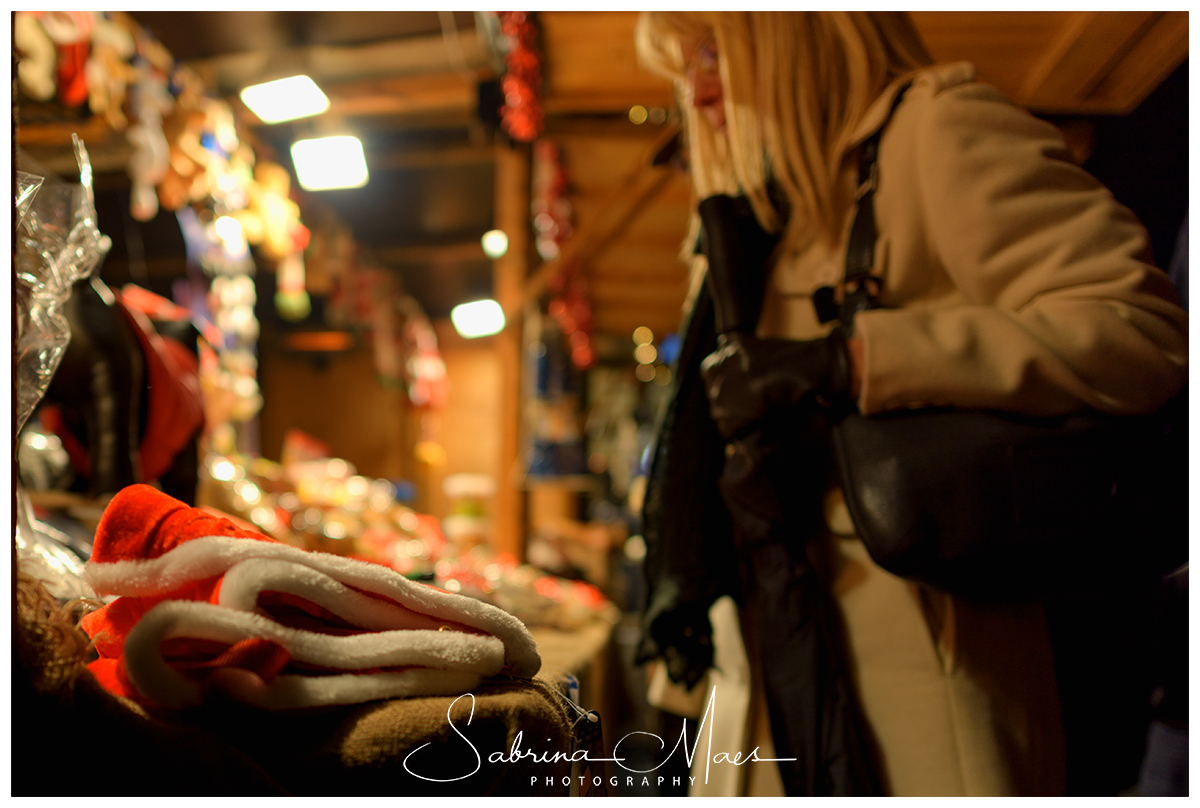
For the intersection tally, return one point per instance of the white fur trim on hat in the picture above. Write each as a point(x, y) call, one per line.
point(213, 556)
point(444, 662)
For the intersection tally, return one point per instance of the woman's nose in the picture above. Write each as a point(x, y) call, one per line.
point(707, 96)
point(706, 88)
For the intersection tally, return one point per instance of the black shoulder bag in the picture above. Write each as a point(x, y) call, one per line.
point(995, 505)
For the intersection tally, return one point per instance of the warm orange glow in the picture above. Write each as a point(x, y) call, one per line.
point(319, 341)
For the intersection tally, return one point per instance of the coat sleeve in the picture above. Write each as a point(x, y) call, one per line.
point(1056, 304)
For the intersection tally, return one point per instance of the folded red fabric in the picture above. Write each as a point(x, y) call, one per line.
point(199, 594)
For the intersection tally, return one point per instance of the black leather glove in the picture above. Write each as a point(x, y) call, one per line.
point(750, 379)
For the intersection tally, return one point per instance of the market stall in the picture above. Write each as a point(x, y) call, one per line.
point(105, 372)
point(404, 400)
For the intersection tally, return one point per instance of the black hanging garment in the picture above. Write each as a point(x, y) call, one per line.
point(760, 505)
point(688, 533)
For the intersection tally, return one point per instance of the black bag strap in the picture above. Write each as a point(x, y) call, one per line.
point(860, 288)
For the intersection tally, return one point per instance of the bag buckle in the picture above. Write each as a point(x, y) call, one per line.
point(857, 295)
point(868, 185)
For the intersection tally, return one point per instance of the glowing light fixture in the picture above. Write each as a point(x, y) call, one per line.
point(479, 319)
point(326, 163)
point(495, 243)
point(285, 99)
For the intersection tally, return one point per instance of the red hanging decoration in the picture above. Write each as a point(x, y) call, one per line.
point(521, 116)
point(551, 211)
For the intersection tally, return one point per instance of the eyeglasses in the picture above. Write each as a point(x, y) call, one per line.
point(705, 58)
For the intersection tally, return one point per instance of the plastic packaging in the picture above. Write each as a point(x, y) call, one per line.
point(45, 553)
point(58, 243)
point(44, 463)
point(27, 185)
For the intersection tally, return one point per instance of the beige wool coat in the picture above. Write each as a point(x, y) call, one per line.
point(1012, 280)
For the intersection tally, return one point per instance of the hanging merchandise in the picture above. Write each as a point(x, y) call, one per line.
point(233, 298)
point(35, 74)
point(71, 33)
point(206, 250)
point(611, 428)
point(385, 330)
point(329, 264)
point(225, 185)
point(572, 310)
point(522, 115)
point(570, 304)
point(427, 384)
point(352, 301)
point(108, 70)
point(551, 205)
point(231, 393)
point(224, 307)
point(291, 298)
point(555, 443)
point(271, 218)
point(149, 102)
point(403, 341)
point(186, 178)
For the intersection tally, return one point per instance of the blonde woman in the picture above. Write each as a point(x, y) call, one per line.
point(1010, 280)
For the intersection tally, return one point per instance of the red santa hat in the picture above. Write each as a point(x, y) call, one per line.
point(198, 594)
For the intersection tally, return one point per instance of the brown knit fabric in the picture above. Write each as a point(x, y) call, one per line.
point(49, 641)
point(363, 750)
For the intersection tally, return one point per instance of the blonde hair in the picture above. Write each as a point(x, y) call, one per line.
point(795, 86)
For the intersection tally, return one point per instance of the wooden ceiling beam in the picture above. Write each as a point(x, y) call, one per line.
point(403, 95)
point(1084, 53)
point(592, 64)
point(1064, 62)
point(328, 64)
point(433, 158)
point(1145, 66)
